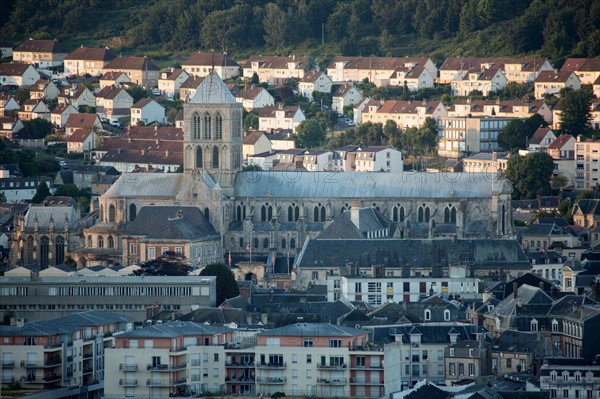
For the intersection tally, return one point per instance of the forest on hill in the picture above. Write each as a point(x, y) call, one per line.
point(554, 29)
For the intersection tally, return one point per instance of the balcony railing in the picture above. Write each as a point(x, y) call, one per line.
point(128, 383)
point(245, 380)
point(367, 348)
point(240, 365)
point(128, 367)
point(44, 380)
point(330, 366)
point(8, 380)
point(87, 356)
point(365, 367)
point(165, 383)
point(35, 364)
point(332, 381)
point(196, 362)
point(281, 365)
point(8, 364)
point(271, 380)
point(166, 367)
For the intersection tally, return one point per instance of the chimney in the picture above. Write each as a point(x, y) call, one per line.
point(355, 214)
point(494, 156)
point(574, 308)
point(35, 276)
point(541, 285)
point(264, 318)
point(179, 214)
point(515, 290)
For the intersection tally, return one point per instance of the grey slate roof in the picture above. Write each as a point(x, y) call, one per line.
point(314, 330)
point(175, 329)
point(163, 222)
point(44, 214)
point(366, 185)
point(146, 185)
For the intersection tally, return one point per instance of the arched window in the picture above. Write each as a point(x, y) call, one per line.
point(427, 214)
point(241, 242)
point(196, 123)
point(446, 215)
point(446, 315)
point(395, 214)
point(199, 162)
point(269, 213)
point(323, 214)
point(427, 315)
point(100, 242)
point(132, 212)
point(402, 214)
point(263, 213)
point(319, 213)
point(316, 214)
point(29, 250)
point(59, 252)
point(215, 158)
point(453, 215)
point(207, 127)
point(256, 243)
point(206, 213)
point(44, 252)
point(219, 127)
point(296, 213)
point(283, 243)
point(420, 217)
point(265, 243)
point(290, 214)
point(238, 213)
point(292, 243)
point(111, 242)
point(89, 241)
point(111, 214)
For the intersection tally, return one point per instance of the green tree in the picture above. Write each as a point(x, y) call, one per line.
point(226, 284)
point(2, 197)
point(575, 111)
point(41, 192)
point(275, 25)
point(309, 134)
point(251, 121)
point(37, 128)
point(530, 174)
point(168, 264)
point(392, 135)
point(137, 92)
point(514, 135)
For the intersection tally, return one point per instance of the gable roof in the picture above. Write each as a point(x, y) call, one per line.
point(60, 216)
point(251, 92)
point(539, 135)
point(253, 137)
point(143, 102)
point(110, 92)
point(92, 54)
point(79, 136)
point(311, 76)
point(136, 63)
point(212, 90)
point(376, 63)
point(113, 75)
point(343, 89)
point(14, 69)
point(171, 222)
point(192, 82)
point(270, 111)
point(41, 46)
point(209, 59)
point(464, 64)
point(560, 141)
point(82, 120)
point(313, 330)
point(553, 76)
point(275, 62)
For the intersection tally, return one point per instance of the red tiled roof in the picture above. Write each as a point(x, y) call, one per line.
point(109, 92)
point(92, 54)
point(41, 46)
point(79, 135)
point(402, 107)
point(134, 63)
point(275, 62)
point(464, 64)
point(553, 76)
point(81, 120)
point(209, 59)
point(311, 76)
point(560, 141)
point(110, 75)
point(142, 103)
point(539, 135)
point(342, 90)
point(377, 63)
point(249, 93)
point(572, 64)
point(13, 69)
point(253, 137)
point(154, 133)
point(192, 82)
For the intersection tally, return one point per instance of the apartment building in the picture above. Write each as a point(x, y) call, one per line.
point(587, 163)
point(486, 162)
point(516, 70)
point(586, 69)
point(165, 360)
point(200, 64)
point(379, 159)
point(49, 297)
point(552, 82)
point(484, 81)
point(280, 117)
point(405, 114)
point(86, 60)
point(570, 378)
point(465, 360)
point(45, 53)
point(140, 70)
point(275, 69)
point(171, 80)
point(500, 109)
point(457, 136)
point(62, 352)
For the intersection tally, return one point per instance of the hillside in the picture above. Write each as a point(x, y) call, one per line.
point(169, 31)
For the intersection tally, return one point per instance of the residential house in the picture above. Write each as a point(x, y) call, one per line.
point(6, 50)
point(569, 378)
point(255, 143)
point(359, 109)
point(543, 236)
point(586, 212)
point(465, 360)
point(147, 111)
point(486, 162)
point(113, 102)
point(501, 109)
point(81, 141)
point(265, 160)
point(17, 188)
point(31, 109)
point(87, 61)
point(586, 69)
point(314, 81)
point(171, 80)
point(291, 158)
point(520, 352)
point(595, 115)
point(516, 70)
point(168, 360)
point(275, 70)
point(413, 78)
point(318, 160)
point(189, 87)
point(562, 151)
point(9, 126)
point(23, 75)
point(458, 136)
point(8, 104)
point(60, 114)
point(254, 98)
point(82, 121)
point(587, 163)
point(45, 53)
point(282, 140)
point(541, 139)
point(381, 70)
point(140, 70)
point(185, 230)
point(484, 81)
point(345, 95)
point(200, 64)
point(117, 79)
point(405, 114)
point(379, 159)
point(552, 82)
point(77, 96)
point(43, 89)
point(280, 117)
point(346, 158)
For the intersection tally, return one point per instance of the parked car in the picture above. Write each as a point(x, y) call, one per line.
point(155, 91)
point(115, 123)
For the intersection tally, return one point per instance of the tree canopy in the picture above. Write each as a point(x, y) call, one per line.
point(530, 174)
point(575, 111)
point(168, 264)
point(41, 192)
point(517, 132)
point(309, 134)
point(226, 284)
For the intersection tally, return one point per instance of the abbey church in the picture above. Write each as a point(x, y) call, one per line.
point(273, 213)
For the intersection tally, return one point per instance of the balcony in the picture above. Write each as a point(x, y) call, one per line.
point(165, 383)
point(365, 367)
point(281, 365)
point(239, 365)
point(33, 364)
point(243, 380)
point(88, 356)
point(333, 381)
point(166, 367)
point(45, 380)
point(367, 348)
point(8, 380)
point(88, 370)
point(271, 380)
point(128, 367)
point(128, 383)
point(324, 366)
point(8, 364)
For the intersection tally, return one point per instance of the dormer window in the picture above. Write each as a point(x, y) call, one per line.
point(446, 315)
point(427, 315)
point(533, 325)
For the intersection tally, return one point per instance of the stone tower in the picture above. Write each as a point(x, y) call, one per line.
point(213, 132)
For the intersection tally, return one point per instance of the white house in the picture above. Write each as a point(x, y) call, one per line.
point(416, 78)
point(31, 109)
point(10, 126)
point(404, 113)
point(541, 139)
point(113, 102)
point(280, 117)
point(318, 160)
point(113, 79)
point(255, 143)
point(551, 82)
point(200, 64)
point(314, 81)
point(8, 103)
point(18, 75)
point(274, 69)
point(485, 81)
point(147, 111)
point(82, 121)
point(86, 60)
point(379, 159)
point(82, 140)
point(264, 160)
point(345, 95)
point(6, 50)
point(77, 96)
point(43, 89)
point(253, 97)
point(171, 80)
point(60, 114)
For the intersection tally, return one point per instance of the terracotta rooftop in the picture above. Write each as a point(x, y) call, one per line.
point(79, 135)
point(377, 63)
point(135, 63)
point(13, 69)
point(41, 46)
point(92, 54)
point(275, 62)
point(209, 59)
point(553, 76)
point(464, 64)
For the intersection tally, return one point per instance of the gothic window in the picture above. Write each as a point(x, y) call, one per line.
point(29, 249)
point(453, 215)
point(219, 127)
point(427, 214)
point(111, 214)
point(241, 242)
point(420, 217)
point(323, 216)
point(215, 158)
point(199, 157)
point(60, 250)
point(132, 212)
point(207, 127)
point(263, 213)
point(44, 252)
point(207, 213)
point(450, 214)
point(100, 242)
point(319, 213)
point(256, 243)
point(446, 215)
point(293, 213)
point(292, 243)
point(89, 244)
point(402, 214)
point(196, 124)
point(283, 243)
point(111, 242)
point(395, 214)
point(265, 243)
